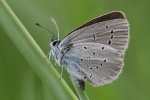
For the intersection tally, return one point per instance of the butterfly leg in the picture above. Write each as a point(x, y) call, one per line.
point(50, 57)
point(61, 72)
point(47, 56)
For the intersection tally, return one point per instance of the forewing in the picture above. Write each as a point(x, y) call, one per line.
point(111, 29)
point(93, 62)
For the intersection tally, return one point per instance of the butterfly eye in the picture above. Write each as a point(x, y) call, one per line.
point(54, 43)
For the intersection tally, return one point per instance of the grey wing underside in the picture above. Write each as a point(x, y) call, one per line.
point(106, 36)
point(114, 32)
point(96, 63)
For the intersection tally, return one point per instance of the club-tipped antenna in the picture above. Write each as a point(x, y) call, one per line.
point(53, 20)
point(46, 29)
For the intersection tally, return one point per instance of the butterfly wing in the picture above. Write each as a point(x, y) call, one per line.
point(94, 52)
point(110, 29)
point(93, 62)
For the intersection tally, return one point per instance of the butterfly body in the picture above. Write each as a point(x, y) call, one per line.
point(94, 52)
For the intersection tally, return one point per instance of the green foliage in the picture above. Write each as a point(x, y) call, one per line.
point(25, 75)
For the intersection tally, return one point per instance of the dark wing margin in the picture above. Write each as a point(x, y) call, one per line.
point(109, 16)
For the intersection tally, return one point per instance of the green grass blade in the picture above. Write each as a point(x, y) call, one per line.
point(32, 53)
point(82, 94)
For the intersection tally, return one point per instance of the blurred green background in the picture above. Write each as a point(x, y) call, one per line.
point(19, 82)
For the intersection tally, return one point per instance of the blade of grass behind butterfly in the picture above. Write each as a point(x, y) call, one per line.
point(32, 53)
point(81, 94)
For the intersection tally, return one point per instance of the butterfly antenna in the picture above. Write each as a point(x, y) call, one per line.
point(53, 20)
point(46, 29)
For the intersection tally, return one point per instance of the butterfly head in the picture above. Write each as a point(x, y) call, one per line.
point(54, 44)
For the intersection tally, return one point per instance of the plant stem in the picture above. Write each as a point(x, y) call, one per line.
point(82, 94)
point(32, 53)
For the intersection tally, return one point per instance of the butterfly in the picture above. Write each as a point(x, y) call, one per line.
point(94, 52)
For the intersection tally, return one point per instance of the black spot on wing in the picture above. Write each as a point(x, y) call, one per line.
point(111, 31)
point(104, 60)
point(102, 48)
point(111, 36)
point(109, 42)
point(106, 26)
point(85, 47)
point(93, 53)
point(91, 76)
point(94, 37)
